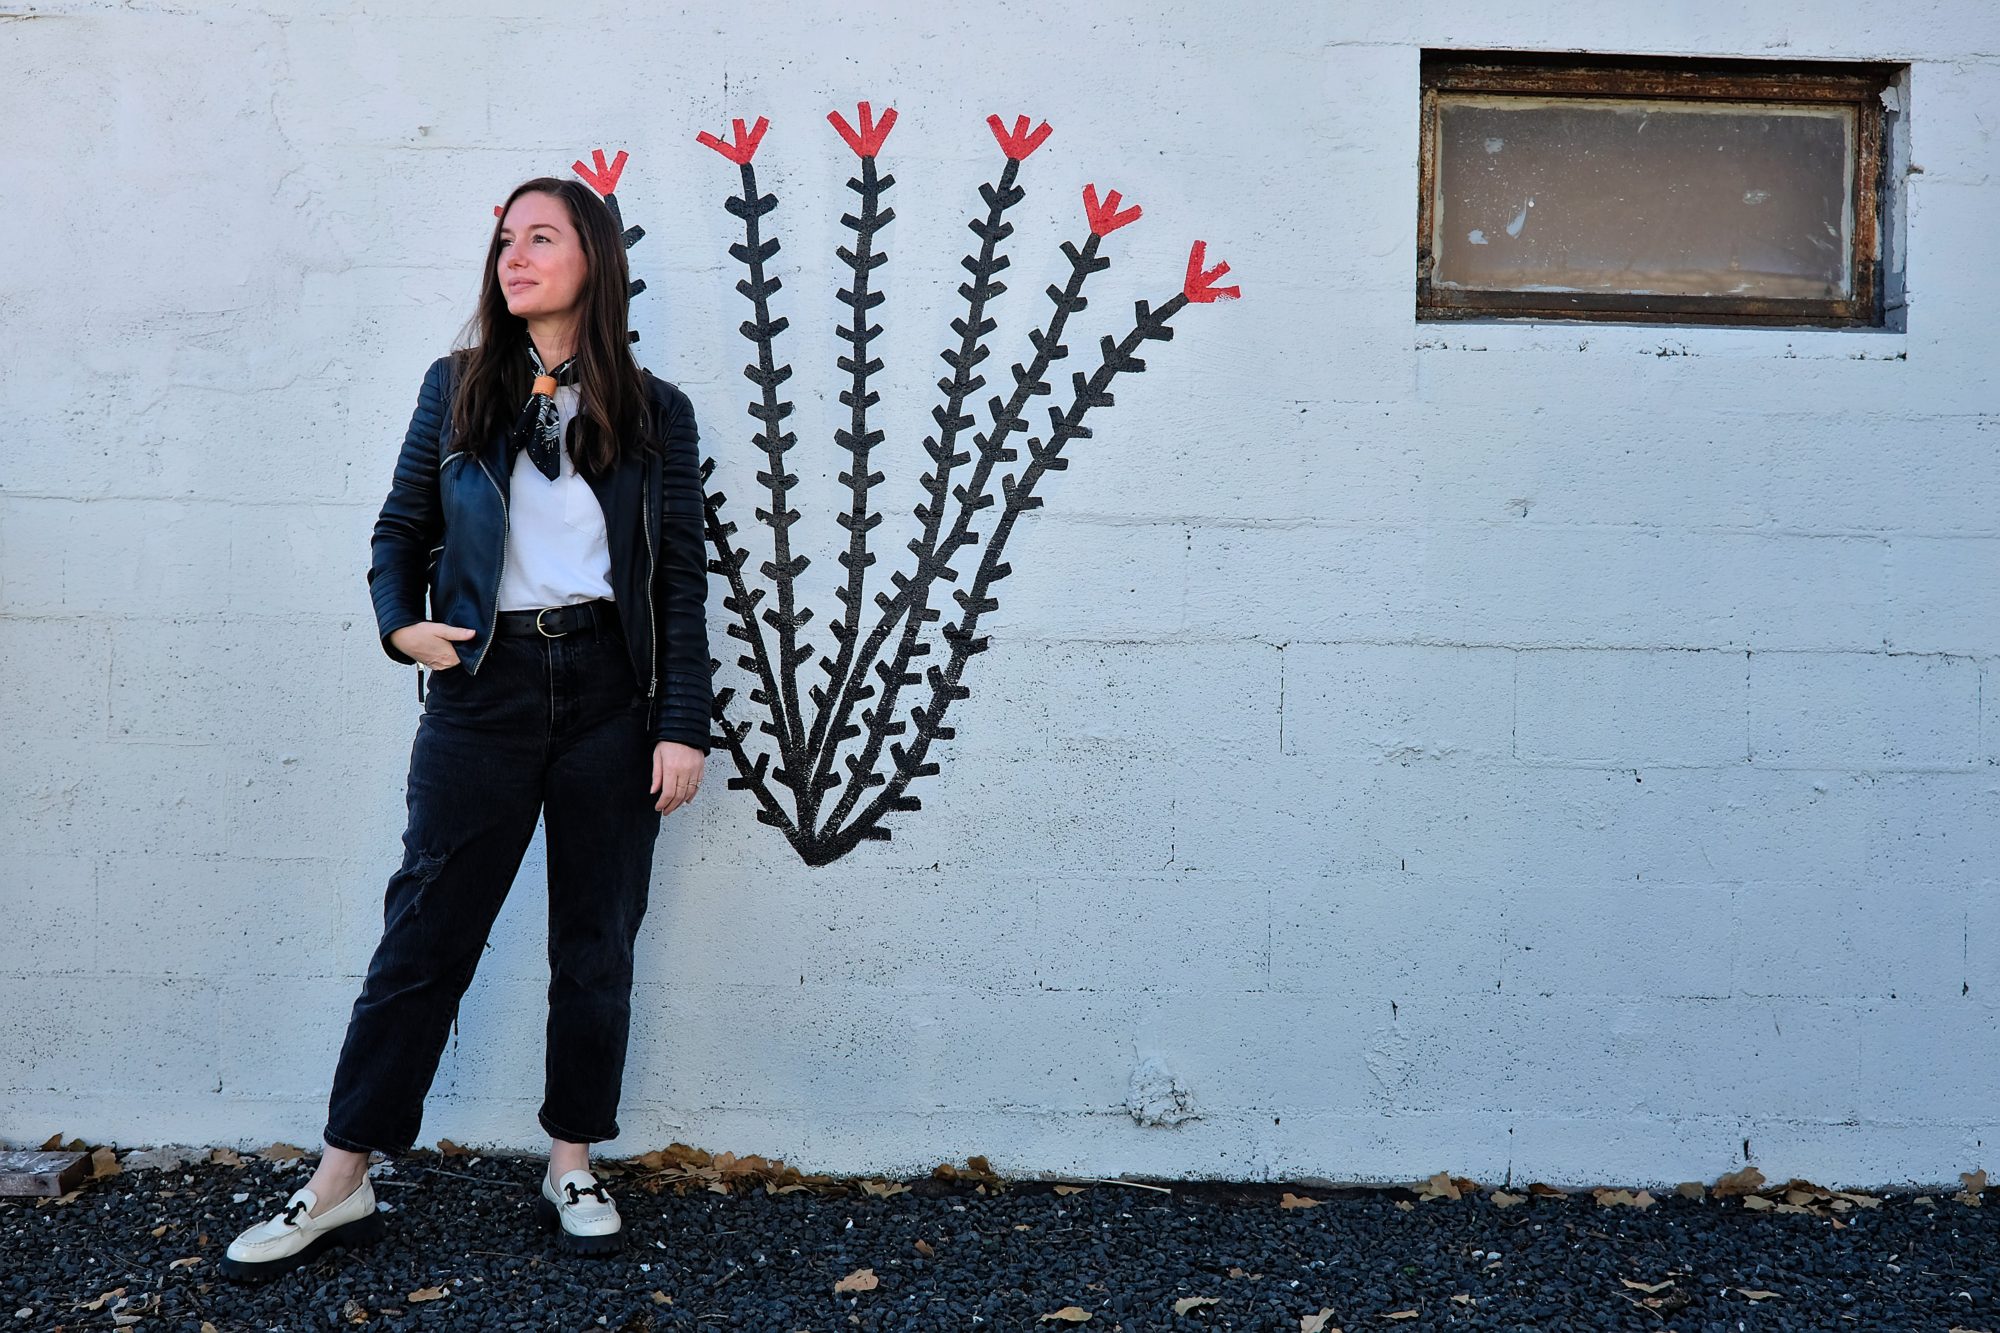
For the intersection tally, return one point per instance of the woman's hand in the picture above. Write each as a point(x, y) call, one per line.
point(431, 643)
point(676, 774)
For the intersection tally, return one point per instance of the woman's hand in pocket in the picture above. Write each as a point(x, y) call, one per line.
point(676, 775)
point(430, 643)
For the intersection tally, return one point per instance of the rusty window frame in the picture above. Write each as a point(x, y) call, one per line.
point(1820, 83)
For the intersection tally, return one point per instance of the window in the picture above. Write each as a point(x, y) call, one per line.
point(1691, 191)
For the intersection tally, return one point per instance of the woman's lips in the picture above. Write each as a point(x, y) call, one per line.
point(518, 286)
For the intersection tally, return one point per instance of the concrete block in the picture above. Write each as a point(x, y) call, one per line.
point(208, 678)
point(1897, 472)
point(1631, 707)
point(1133, 933)
point(1305, 582)
point(1234, 1051)
point(1398, 701)
point(1944, 595)
point(1082, 581)
point(1632, 937)
point(1935, 826)
point(1924, 1061)
point(1863, 710)
point(222, 913)
point(62, 668)
point(131, 1035)
point(1803, 938)
point(52, 919)
point(1381, 935)
point(283, 1039)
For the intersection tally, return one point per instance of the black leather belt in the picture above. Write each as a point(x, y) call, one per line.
point(553, 622)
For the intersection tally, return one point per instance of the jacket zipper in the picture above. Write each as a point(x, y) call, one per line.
point(504, 529)
point(652, 612)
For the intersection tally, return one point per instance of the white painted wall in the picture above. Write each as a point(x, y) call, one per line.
point(1559, 751)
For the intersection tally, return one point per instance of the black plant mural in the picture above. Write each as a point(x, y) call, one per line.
point(823, 793)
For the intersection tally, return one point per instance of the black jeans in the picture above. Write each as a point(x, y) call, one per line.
point(550, 726)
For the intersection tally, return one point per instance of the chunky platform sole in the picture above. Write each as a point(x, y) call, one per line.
point(551, 1217)
point(348, 1235)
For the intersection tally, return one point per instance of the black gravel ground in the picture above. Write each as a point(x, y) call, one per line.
point(958, 1254)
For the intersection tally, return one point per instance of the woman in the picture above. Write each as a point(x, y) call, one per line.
point(548, 500)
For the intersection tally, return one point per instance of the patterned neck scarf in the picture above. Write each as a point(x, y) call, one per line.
point(535, 428)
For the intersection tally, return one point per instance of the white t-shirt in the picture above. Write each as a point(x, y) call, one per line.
point(557, 552)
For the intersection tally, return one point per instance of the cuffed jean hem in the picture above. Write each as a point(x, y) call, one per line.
point(556, 1131)
point(351, 1145)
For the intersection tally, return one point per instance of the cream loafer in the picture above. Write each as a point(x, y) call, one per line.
point(581, 1212)
point(282, 1243)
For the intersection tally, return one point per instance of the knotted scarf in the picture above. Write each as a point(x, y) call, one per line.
point(535, 429)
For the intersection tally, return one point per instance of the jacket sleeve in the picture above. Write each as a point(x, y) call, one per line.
point(686, 694)
point(411, 523)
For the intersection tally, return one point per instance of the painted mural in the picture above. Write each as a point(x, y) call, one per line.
point(808, 737)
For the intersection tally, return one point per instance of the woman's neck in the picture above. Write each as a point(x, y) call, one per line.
point(555, 342)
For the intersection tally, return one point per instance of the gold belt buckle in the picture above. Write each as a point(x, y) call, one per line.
point(538, 622)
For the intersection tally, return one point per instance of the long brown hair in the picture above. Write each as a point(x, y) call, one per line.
point(494, 374)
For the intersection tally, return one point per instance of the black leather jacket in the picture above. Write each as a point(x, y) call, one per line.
point(442, 532)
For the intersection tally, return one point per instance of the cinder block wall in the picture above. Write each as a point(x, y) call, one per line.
point(1548, 752)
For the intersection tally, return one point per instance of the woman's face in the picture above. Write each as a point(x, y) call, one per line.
point(541, 266)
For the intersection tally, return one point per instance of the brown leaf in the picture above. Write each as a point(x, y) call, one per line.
point(1750, 1295)
point(161, 1229)
point(1974, 1182)
point(1186, 1303)
point(883, 1189)
point(225, 1157)
point(1547, 1191)
point(446, 1148)
point(1069, 1189)
point(1622, 1199)
point(1291, 1200)
point(861, 1279)
point(281, 1152)
point(1404, 1205)
point(1757, 1203)
point(1650, 1288)
point(1462, 1299)
point(1691, 1189)
point(1858, 1200)
point(924, 1248)
point(427, 1294)
point(1747, 1181)
point(1316, 1323)
point(1069, 1314)
point(1502, 1199)
point(207, 1327)
point(661, 1298)
point(1439, 1186)
point(104, 1162)
point(1401, 1314)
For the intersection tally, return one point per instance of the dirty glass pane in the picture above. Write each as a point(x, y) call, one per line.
point(1650, 197)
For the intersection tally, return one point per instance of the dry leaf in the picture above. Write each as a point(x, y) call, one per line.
point(225, 1157)
point(1757, 1203)
point(661, 1298)
point(98, 1304)
point(1439, 1186)
point(1547, 1191)
point(427, 1294)
point(281, 1152)
point(104, 1162)
point(354, 1312)
point(1290, 1200)
point(1069, 1189)
point(1186, 1303)
point(161, 1229)
point(1622, 1199)
point(1858, 1200)
point(185, 1263)
point(1650, 1288)
point(446, 1148)
point(861, 1279)
point(1691, 1189)
point(1502, 1199)
point(1462, 1299)
point(1747, 1181)
point(1401, 1314)
point(883, 1189)
point(1069, 1314)
point(1316, 1323)
point(207, 1327)
point(1974, 1182)
point(1750, 1295)
point(924, 1248)
point(1406, 1206)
